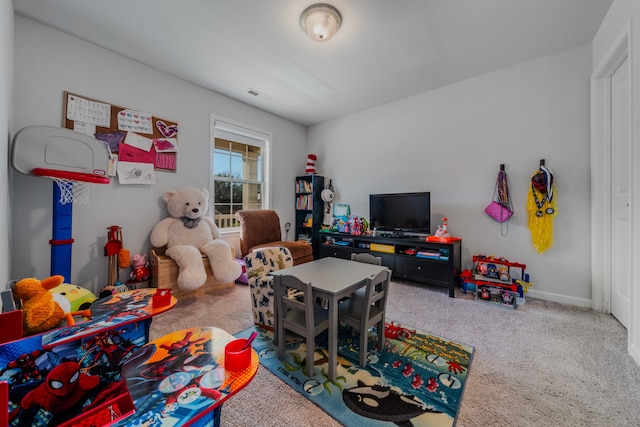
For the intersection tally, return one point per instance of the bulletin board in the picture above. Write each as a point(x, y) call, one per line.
point(140, 142)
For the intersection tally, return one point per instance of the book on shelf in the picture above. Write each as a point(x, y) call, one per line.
point(304, 202)
point(303, 186)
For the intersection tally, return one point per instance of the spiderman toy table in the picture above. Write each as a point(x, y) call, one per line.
point(71, 375)
point(180, 379)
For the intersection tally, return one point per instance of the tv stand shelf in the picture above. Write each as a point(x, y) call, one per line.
point(408, 257)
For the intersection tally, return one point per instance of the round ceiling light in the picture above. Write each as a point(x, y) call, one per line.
point(320, 21)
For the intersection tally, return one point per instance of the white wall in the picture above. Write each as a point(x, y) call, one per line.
point(6, 80)
point(623, 14)
point(451, 141)
point(49, 62)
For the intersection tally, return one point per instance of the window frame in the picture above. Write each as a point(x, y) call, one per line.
point(234, 131)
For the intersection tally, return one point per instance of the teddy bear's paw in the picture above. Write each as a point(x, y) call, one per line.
point(190, 279)
point(227, 271)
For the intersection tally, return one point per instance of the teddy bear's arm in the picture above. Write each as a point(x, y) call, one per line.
point(160, 233)
point(215, 232)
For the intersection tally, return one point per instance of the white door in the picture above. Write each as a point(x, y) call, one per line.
point(620, 194)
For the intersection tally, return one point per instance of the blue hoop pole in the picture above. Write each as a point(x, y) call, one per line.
point(61, 240)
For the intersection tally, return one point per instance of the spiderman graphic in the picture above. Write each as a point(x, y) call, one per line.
point(27, 369)
point(183, 355)
point(110, 345)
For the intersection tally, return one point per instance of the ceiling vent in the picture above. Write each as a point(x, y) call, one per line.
point(257, 94)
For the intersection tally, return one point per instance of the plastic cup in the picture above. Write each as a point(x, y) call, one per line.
point(235, 358)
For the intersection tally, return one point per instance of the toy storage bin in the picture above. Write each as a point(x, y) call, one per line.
point(164, 274)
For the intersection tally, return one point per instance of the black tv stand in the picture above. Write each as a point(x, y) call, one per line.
point(408, 256)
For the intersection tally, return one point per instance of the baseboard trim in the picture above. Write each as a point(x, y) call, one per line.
point(564, 299)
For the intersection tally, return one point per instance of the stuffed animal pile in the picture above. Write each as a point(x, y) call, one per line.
point(188, 233)
point(42, 309)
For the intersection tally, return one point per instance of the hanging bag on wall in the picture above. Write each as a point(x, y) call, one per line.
point(500, 207)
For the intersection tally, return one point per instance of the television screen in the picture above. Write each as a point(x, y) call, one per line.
point(400, 212)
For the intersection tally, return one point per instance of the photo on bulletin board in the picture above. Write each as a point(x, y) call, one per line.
point(135, 137)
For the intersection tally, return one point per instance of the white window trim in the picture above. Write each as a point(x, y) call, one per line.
point(240, 132)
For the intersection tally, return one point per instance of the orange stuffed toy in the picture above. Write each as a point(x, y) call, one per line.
point(43, 310)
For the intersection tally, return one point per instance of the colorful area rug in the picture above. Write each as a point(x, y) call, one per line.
point(416, 380)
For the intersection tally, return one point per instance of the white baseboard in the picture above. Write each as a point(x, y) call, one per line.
point(564, 299)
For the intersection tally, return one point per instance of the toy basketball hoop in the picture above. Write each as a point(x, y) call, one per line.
point(74, 186)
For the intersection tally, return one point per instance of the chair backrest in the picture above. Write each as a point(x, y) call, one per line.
point(258, 226)
point(300, 307)
point(377, 288)
point(264, 261)
point(367, 258)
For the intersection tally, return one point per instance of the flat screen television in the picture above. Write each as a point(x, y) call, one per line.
point(400, 212)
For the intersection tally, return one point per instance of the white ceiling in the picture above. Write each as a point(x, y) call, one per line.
point(386, 49)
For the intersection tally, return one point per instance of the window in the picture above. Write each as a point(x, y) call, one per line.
point(239, 179)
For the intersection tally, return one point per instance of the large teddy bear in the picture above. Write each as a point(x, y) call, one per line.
point(188, 234)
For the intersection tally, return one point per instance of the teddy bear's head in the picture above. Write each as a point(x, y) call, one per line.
point(187, 202)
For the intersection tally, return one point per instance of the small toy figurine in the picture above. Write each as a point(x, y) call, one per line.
point(507, 297)
point(485, 294)
point(482, 268)
point(442, 231)
point(503, 273)
point(492, 271)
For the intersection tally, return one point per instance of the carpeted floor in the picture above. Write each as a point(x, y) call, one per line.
point(543, 364)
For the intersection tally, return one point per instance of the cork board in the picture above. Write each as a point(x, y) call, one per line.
point(136, 137)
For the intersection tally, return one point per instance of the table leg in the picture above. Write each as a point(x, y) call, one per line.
point(333, 337)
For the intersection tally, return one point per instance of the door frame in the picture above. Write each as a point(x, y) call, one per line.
point(601, 172)
point(620, 49)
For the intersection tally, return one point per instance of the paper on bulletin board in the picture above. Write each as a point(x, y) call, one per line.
point(136, 173)
point(166, 161)
point(135, 121)
point(112, 139)
point(91, 112)
point(129, 153)
point(165, 145)
point(84, 128)
point(138, 141)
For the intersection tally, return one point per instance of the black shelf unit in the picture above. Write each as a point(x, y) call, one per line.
point(438, 263)
point(309, 205)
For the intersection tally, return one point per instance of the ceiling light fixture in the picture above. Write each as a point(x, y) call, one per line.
point(321, 21)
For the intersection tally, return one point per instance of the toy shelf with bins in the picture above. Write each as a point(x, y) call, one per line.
point(495, 273)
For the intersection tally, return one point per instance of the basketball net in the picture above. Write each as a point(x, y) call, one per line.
point(72, 191)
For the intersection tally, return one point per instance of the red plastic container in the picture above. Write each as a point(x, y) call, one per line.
point(235, 358)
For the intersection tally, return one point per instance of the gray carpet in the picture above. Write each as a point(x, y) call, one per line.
point(543, 364)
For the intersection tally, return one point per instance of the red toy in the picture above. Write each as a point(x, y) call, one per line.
point(140, 266)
